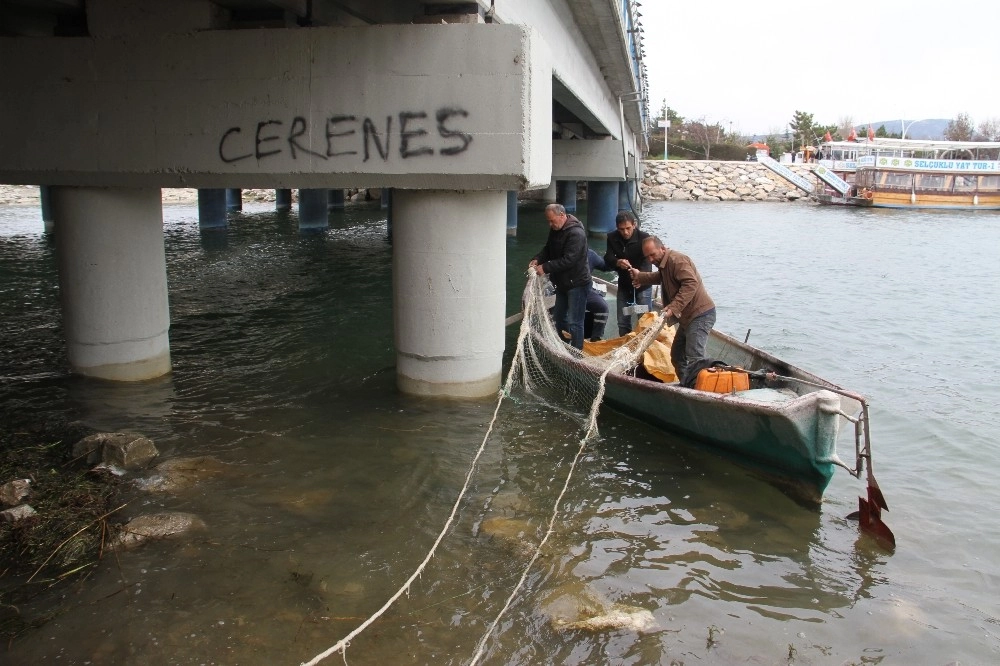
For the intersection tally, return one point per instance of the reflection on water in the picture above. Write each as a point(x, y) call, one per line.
point(331, 486)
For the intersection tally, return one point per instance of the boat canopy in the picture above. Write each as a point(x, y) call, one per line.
point(908, 147)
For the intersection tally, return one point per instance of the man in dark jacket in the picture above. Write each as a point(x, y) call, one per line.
point(624, 253)
point(685, 300)
point(564, 259)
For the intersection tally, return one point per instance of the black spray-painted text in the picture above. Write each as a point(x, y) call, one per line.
point(405, 134)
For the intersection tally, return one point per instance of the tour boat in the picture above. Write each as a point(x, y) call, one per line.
point(906, 173)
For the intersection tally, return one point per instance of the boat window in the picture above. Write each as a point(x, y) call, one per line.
point(991, 183)
point(931, 181)
point(965, 183)
point(895, 180)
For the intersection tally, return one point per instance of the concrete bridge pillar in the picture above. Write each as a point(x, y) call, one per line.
point(626, 196)
point(314, 206)
point(212, 209)
point(45, 198)
point(234, 199)
point(113, 281)
point(602, 207)
point(449, 291)
point(566, 194)
point(282, 199)
point(512, 213)
point(335, 200)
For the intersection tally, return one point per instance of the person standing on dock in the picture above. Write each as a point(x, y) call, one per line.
point(564, 259)
point(686, 301)
point(624, 253)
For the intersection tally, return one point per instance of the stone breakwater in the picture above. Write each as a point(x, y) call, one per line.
point(707, 180)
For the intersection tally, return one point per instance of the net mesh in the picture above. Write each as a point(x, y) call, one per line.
point(565, 377)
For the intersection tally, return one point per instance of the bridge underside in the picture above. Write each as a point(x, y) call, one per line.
point(116, 99)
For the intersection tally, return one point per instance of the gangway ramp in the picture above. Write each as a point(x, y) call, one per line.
point(786, 173)
point(832, 179)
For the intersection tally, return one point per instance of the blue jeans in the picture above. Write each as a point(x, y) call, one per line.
point(570, 309)
point(626, 294)
point(690, 342)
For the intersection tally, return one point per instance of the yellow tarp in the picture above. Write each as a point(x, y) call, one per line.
point(656, 359)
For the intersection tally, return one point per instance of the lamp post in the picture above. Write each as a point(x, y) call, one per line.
point(902, 124)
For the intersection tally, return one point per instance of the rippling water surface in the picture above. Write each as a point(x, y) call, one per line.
point(335, 486)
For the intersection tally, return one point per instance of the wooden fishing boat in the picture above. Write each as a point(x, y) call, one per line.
point(904, 173)
point(784, 426)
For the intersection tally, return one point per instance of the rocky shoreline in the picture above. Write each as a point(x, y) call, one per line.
point(707, 180)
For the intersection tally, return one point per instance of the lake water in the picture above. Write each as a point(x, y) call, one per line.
point(335, 486)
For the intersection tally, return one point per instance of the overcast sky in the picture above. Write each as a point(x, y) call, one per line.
point(755, 63)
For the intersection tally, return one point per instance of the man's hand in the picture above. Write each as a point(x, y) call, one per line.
point(624, 264)
point(634, 272)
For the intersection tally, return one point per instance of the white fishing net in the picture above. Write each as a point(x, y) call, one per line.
point(567, 378)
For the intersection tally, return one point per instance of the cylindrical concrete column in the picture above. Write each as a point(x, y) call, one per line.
point(45, 198)
point(234, 199)
point(282, 199)
point(313, 209)
point(512, 213)
point(387, 205)
point(113, 281)
point(212, 209)
point(566, 194)
point(550, 194)
point(602, 207)
point(335, 200)
point(449, 291)
point(625, 194)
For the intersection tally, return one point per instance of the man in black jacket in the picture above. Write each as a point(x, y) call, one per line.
point(624, 253)
point(564, 259)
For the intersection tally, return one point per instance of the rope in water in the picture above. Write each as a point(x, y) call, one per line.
point(621, 359)
point(343, 643)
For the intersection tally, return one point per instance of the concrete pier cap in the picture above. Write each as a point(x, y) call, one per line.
point(384, 105)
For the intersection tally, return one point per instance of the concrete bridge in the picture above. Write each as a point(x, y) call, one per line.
point(452, 105)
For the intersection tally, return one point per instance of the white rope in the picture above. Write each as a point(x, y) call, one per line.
point(343, 643)
point(621, 360)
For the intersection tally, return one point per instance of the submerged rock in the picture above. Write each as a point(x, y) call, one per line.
point(124, 449)
point(141, 529)
point(180, 473)
point(577, 606)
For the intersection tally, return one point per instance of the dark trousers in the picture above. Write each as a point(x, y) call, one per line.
point(690, 342)
point(570, 309)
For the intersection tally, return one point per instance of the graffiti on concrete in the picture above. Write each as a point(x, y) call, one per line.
point(405, 134)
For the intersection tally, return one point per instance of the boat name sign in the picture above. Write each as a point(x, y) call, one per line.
point(938, 165)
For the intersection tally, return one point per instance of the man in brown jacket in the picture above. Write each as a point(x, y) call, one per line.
point(685, 300)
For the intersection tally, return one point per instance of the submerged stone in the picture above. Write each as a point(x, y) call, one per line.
point(124, 449)
point(141, 529)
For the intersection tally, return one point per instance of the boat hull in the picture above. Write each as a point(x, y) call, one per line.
point(789, 440)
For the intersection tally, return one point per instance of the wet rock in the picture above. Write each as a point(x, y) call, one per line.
point(17, 513)
point(124, 449)
point(514, 533)
point(12, 492)
point(141, 529)
point(578, 607)
point(180, 473)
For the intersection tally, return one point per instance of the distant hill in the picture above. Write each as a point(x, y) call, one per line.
point(931, 128)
